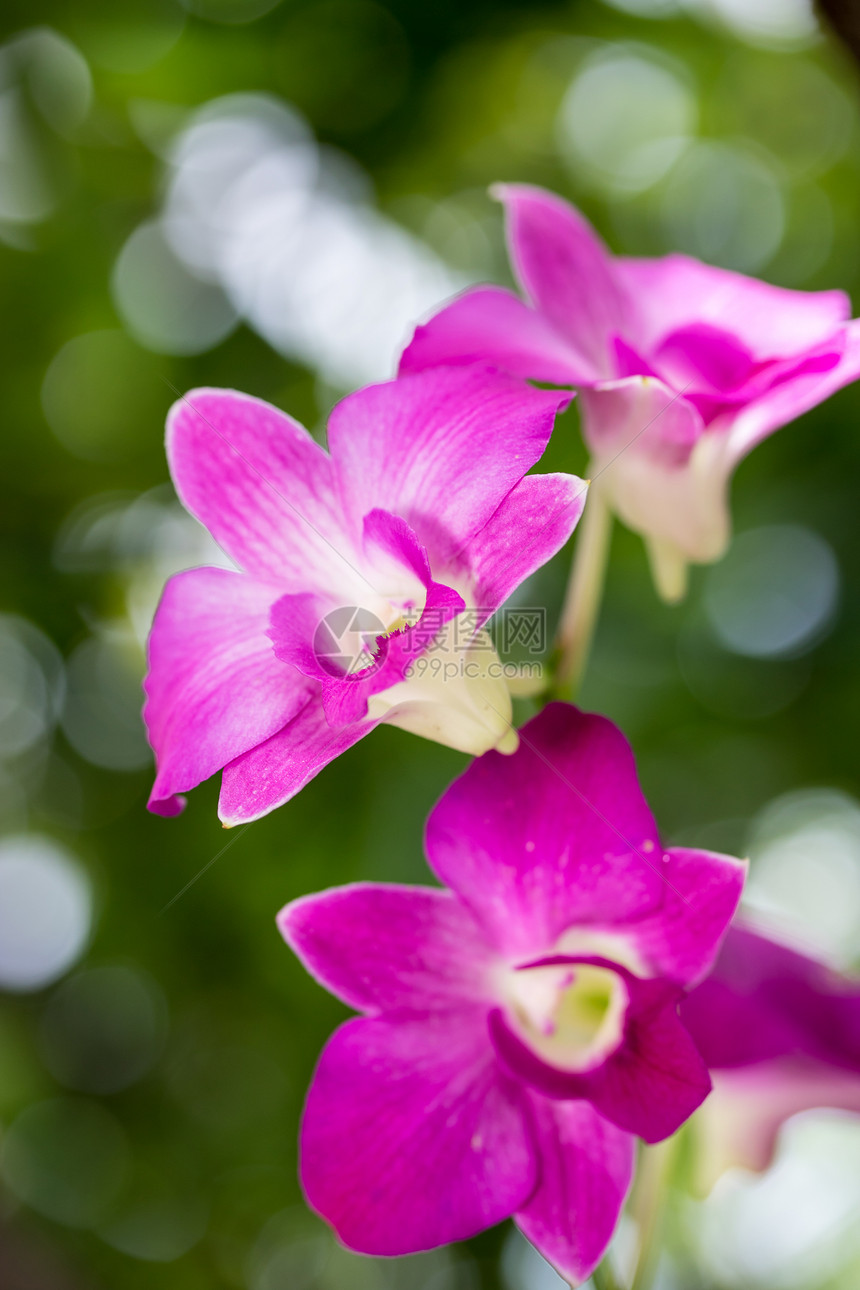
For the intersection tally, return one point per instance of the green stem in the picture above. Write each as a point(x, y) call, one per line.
point(584, 594)
point(603, 1277)
point(648, 1207)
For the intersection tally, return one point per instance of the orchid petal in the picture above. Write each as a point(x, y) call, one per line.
point(764, 1000)
point(586, 1168)
point(214, 687)
point(781, 1033)
point(793, 396)
point(263, 489)
point(271, 773)
point(441, 449)
point(492, 325)
point(770, 322)
point(681, 939)
point(639, 415)
point(656, 1079)
point(412, 1137)
point(384, 947)
point(566, 270)
point(556, 835)
point(531, 525)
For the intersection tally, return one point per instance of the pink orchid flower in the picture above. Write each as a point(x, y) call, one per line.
point(781, 1034)
point(683, 367)
point(352, 564)
point(521, 1027)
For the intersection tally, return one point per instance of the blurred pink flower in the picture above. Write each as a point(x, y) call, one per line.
point(781, 1034)
point(521, 1026)
point(683, 367)
point(351, 563)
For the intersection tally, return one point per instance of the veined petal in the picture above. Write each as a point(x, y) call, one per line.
point(792, 397)
point(214, 687)
point(770, 322)
point(412, 1137)
point(263, 489)
point(680, 940)
point(567, 271)
point(274, 771)
point(492, 325)
point(399, 559)
point(555, 836)
point(441, 449)
point(385, 947)
point(586, 1168)
point(531, 525)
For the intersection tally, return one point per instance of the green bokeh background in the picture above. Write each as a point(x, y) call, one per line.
point(435, 102)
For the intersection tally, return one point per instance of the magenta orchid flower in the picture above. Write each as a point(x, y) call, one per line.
point(521, 1027)
point(352, 564)
point(683, 367)
point(781, 1034)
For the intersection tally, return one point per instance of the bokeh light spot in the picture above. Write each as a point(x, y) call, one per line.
point(59, 78)
point(101, 718)
point(775, 592)
point(27, 194)
point(163, 304)
point(101, 393)
point(805, 876)
point(66, 1158)
point(45, 912)
point(626, 118)
point(160, 1229)
point(724, 204)
point(764, 22)
point(104, 1029)
point(31, 685)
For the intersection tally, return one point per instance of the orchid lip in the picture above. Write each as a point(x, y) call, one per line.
point(561, 1018)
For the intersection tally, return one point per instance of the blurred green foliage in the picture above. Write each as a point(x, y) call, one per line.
point(148, 1121)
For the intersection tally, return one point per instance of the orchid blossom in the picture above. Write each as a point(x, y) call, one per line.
point(781, 1034)
point(521, 1027)
point(683, 368)
point(352, 564)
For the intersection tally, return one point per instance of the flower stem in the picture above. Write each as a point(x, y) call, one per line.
point(648, 1207)
point(584, 594)
point(603, 1277)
